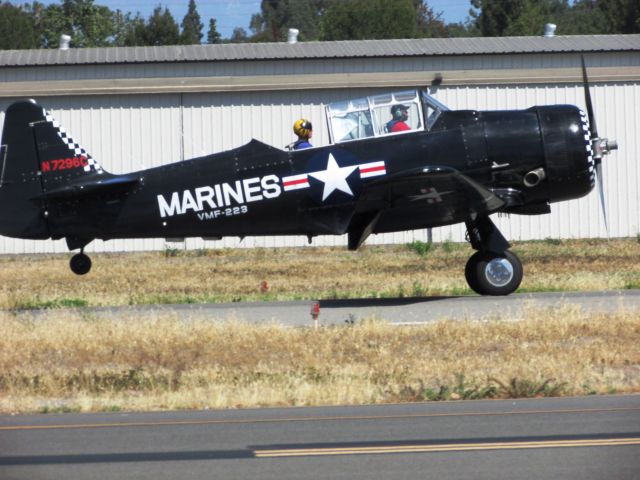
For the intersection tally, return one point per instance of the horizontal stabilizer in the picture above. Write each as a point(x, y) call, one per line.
point(91, 186)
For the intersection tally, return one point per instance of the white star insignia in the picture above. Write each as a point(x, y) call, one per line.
point(334, 177)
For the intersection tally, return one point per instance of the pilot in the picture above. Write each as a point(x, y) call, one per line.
point(400, 115)
point(303, 129)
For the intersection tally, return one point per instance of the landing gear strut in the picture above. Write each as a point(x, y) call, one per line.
point(493, 269)
point(80, 263)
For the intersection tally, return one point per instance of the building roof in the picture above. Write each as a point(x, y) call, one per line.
point(322, 50)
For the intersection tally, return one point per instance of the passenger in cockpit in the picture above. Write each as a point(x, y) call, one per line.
point(304, 130)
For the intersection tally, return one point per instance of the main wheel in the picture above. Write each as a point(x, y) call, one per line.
point(493, 273)
point(80, 264)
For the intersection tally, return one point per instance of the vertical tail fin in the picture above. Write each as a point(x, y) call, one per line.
point(37, 156)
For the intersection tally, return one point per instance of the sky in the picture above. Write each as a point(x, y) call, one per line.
point(230, 14)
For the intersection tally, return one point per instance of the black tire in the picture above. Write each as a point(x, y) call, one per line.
point(494, 274)
point(80, 264)
point(470, 271)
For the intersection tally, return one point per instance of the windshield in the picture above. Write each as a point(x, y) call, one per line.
point(380, 115)
point(432, 109)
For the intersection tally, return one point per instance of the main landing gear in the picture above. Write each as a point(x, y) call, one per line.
point(80, 263)
point(493, 269)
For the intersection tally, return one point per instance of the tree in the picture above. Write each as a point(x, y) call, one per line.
point(430, 23)
point(17, 28)
point(162, 29)
point(213, 36)
point(239, 35)
point(276, 17)
point(369, 19)
point(88, 25)
point(191, 26)
point(133, 32)
point(51, 23)
point(618, 16)
point(493, 17)
point(535, 14)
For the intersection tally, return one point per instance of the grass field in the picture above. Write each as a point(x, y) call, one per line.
point(74, 363)
point(70, 361)
point(228, 275)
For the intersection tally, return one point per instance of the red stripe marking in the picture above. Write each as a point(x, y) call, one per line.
point(290, 183)
point(373, 169)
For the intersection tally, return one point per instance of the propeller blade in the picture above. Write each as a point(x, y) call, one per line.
point(587, 99)
point(603, 206)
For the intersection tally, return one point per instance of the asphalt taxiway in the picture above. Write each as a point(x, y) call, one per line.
point(583, 438)
point(397, 310)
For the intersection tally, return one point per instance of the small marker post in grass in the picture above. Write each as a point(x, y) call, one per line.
point(315, 313)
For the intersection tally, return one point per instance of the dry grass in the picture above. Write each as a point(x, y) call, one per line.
point(74, 363)
point(304, 273)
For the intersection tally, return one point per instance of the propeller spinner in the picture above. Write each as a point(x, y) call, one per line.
point(599, 146)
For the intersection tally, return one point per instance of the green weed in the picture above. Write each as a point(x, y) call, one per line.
point(419, 247)
point(523, 388)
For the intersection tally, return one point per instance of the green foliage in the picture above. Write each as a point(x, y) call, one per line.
point(169, 252)
point(213, 36)
point(523, 388)
point(239, 35)
point(448, 246)
point(133, 32)
point(88, 25)
point(461, 390)
point(91, 25)
point(17, 28)
point(615, 16)
point(420, 247)
point(162, 29)
point(277, 16)
point(492, 388)
point(429, 23)
point(495, 18)
point(418, 290)
point(37, 303)
point(191, 26)
point(61, 409)
point(111, 409)
point(369, 19)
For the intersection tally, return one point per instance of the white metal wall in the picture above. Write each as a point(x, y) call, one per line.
point(131, 132)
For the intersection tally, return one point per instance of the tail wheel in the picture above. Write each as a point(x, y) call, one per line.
point(490, 273)
point(80, 264)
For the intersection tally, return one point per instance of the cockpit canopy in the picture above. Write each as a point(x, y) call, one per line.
point(372, 116)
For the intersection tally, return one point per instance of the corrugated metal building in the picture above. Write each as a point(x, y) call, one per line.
point(138, 107)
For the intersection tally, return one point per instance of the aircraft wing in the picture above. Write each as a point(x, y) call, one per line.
point(440, 195)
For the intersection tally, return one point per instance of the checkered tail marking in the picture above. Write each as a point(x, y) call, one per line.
point(78, 151)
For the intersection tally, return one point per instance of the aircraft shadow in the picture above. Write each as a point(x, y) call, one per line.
point(126, 457)
point(444, 441)
point(382, 302)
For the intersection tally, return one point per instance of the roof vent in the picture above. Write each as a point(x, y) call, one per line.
point(550, 30)
point(64, 42)
point(292, 37)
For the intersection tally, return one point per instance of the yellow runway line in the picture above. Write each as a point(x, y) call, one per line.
point(453, 447)
point(306, 419)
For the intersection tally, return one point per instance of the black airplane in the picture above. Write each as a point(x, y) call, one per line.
point(451, 166)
